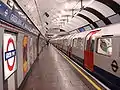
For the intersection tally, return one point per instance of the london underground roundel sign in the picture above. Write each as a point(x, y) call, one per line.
point(9, 54)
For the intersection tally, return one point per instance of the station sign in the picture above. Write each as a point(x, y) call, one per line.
point(13, 17)
point(9, 55)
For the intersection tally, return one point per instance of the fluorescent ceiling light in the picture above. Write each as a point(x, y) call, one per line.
point(59, 15)
point(61, 1)
point(90, 2)
point(66, 5)
point(32, 9)
point(62, 12)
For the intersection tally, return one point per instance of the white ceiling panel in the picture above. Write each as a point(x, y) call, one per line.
point(77, 22)
point(80, 21)
point(102, 8)
point(89, 15)
point(58, 11)
point(118, 1)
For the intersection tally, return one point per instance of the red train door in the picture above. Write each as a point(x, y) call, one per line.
point(88, 53)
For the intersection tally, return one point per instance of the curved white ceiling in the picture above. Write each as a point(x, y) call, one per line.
point(118, 1)
point(36, 9)
point(72, 24)
point(77, 22)
point(89, 15)
point(102, 8)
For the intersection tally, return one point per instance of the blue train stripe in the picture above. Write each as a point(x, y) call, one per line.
point(112, 80)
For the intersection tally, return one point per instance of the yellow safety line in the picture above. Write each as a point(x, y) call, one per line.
point(97, 87)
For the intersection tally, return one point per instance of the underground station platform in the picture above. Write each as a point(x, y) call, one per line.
point(55, 71)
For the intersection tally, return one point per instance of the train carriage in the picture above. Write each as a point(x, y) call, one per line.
point(98, 51)
point(107, 54)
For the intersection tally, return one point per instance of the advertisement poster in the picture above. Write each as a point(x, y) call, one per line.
point(25, 61)
point(31, 51)
point(9, 55)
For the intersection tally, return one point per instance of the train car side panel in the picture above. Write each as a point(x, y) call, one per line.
point(107, 59)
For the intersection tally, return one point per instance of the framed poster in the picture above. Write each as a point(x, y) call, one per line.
point(25, 51)
point(10, 65)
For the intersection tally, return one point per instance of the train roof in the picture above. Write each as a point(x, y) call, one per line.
point(109, 30)
point(83, 34)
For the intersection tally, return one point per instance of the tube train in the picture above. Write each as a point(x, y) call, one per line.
point(98, 51)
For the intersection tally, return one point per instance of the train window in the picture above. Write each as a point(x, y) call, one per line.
point(80, 43)
point(70, 42)
point(104, 46)
point(92, 45)
point(65, 41)
point(75, 42)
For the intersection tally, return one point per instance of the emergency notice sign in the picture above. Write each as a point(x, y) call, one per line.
point(9, 54)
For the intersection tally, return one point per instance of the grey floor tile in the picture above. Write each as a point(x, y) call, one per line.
point(52, 72)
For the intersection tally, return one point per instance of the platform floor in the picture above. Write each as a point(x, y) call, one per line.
point(53, 72)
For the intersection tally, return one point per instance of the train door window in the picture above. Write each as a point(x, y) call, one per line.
point(88, 41)
point(104, 46)
point(92, 45)
point(69, 42)
point(75, 42)
point(80, 43)
point(65, 41)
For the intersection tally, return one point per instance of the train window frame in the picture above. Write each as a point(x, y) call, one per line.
point(109, 55)
point(75, 42)
point(65, 42)
point(80, 43)
point(92, 44)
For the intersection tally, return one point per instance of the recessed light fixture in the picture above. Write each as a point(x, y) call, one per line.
point(66, 5)
point(61, 1)
point(90, 2)
point(63, 12)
